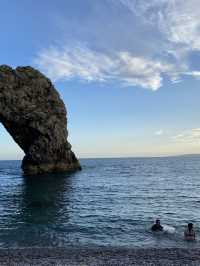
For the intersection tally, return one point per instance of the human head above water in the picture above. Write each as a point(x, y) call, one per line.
point(158, 221)
point(190, 226)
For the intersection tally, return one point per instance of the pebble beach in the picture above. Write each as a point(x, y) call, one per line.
point(98, 256)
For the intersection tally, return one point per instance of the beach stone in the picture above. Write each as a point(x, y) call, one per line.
point(99, 256)
point(33, 113)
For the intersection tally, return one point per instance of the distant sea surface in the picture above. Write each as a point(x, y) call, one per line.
point(111, 202)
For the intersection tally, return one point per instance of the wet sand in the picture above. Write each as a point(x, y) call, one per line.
point(98, 256)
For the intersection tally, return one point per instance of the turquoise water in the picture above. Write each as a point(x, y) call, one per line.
point(111, 202)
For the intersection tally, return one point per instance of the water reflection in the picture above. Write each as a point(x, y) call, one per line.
point(45, 198)
point(111, 202)
point(37, 206)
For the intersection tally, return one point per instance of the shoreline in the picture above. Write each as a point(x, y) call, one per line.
point(99, 256)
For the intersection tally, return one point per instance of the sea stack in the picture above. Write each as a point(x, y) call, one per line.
point(33, 113)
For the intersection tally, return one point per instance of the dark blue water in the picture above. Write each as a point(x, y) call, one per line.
point(111, 202)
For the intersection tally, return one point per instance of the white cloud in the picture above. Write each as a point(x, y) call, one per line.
point(174, 22)
point(195, 74)
point(159, 132)
point(178, 20)
point(140, 71)
point(189, 136)
point(85, 64)
point(75, 62)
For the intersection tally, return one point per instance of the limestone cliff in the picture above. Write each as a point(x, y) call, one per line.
point(35, 116)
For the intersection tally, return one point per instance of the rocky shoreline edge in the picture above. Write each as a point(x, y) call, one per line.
point(99, 256)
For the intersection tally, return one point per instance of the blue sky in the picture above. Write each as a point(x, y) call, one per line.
point(127, 70)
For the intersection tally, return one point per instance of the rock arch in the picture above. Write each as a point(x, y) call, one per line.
point(35, 116)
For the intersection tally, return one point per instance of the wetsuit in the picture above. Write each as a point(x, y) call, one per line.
point(157, 227)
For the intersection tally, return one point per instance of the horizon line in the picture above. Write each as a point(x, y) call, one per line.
point(125, 157)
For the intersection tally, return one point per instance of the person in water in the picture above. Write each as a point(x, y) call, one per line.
point(189, 233)
point(157, 226)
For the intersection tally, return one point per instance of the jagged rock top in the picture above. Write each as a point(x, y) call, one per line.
point(35, 116)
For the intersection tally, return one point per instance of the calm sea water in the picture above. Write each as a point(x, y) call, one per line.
point(111, 202)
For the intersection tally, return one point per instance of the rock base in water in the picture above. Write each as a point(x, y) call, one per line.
point(35, 116)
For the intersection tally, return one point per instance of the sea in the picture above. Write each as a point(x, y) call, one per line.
point(110, 203)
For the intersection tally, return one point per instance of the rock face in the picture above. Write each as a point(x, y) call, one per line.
point(35, 116)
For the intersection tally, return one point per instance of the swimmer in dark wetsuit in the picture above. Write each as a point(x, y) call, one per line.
point(157, 226)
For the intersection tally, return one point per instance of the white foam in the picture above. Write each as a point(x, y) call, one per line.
point(168, 229)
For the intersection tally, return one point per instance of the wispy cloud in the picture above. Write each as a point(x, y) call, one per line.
point(188, 136)
point(159, 132)
point(175, 23)
point(178, 20)
point(86, 64)
point(67, 63)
